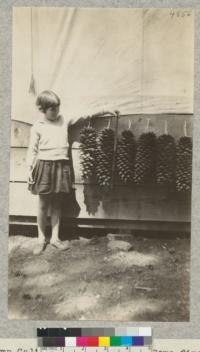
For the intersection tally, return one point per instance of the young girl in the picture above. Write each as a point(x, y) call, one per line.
point(49, 167)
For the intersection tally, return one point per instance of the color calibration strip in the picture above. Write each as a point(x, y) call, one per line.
point(91, 338)
point(118, 331)
point(92, 341)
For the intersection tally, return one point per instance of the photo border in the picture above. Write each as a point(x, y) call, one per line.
point(24, 328)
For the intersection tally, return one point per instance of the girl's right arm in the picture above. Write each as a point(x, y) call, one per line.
point(73, 121)
point(32, 149)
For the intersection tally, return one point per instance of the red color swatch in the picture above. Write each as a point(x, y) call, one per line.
point(93, 341)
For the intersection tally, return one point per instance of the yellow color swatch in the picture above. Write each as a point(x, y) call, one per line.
point(104, 341)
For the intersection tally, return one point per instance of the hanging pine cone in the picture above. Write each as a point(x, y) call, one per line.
point(125, 157)
point(166, 155)
point(184, 164)
point(105, 152)
point(88, 147)
point(145, 158)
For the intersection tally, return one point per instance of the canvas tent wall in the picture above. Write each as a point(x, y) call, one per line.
point(133, 60)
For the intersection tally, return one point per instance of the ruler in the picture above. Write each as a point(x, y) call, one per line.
point(96, 349)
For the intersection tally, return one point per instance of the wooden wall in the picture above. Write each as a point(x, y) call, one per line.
point(126, 203)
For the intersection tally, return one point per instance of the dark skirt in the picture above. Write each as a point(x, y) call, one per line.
point(51, 177)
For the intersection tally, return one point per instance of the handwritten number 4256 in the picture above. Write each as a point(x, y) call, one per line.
point(179, 13)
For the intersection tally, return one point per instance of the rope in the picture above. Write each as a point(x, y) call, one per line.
point(147, 125)
point(185, 128)
point(166, 127)
point(31, 40)
point(32, 89)
point(109, 122)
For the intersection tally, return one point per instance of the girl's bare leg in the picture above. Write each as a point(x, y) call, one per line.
point(42, 222)
point(55, 218)
point(42, 216)
point(56, 205)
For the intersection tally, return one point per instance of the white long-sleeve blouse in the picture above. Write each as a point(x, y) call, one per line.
point(48, 140)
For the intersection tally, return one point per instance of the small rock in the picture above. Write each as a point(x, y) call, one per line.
point(120, 245)
point(84, 240)
point(119, 236)
point(171, 250)
point(150, 267)
point(27, 296)
point(139, 271)
point(74, 241)
point(38, 296)
point(111, 236)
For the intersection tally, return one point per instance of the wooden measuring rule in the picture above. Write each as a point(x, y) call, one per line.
point(96, 349)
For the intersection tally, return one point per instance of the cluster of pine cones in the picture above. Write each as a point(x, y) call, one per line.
point(105, 155)
point(145, 158)
point(88, 136)
point(151, 159)
point(165, 161)
point(125, 158)
point(184, 164)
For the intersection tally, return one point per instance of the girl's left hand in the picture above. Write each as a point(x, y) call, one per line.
point(30, 176)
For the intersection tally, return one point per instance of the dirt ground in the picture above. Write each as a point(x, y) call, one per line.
point(142, 278)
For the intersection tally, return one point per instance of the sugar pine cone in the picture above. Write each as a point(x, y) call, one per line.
point(145, 158)
point(105, 154)
point(88, 147)
point(184, 164)
point(166, 155)
point(125, 157)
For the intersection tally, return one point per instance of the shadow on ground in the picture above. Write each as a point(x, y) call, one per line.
point(94, 280)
